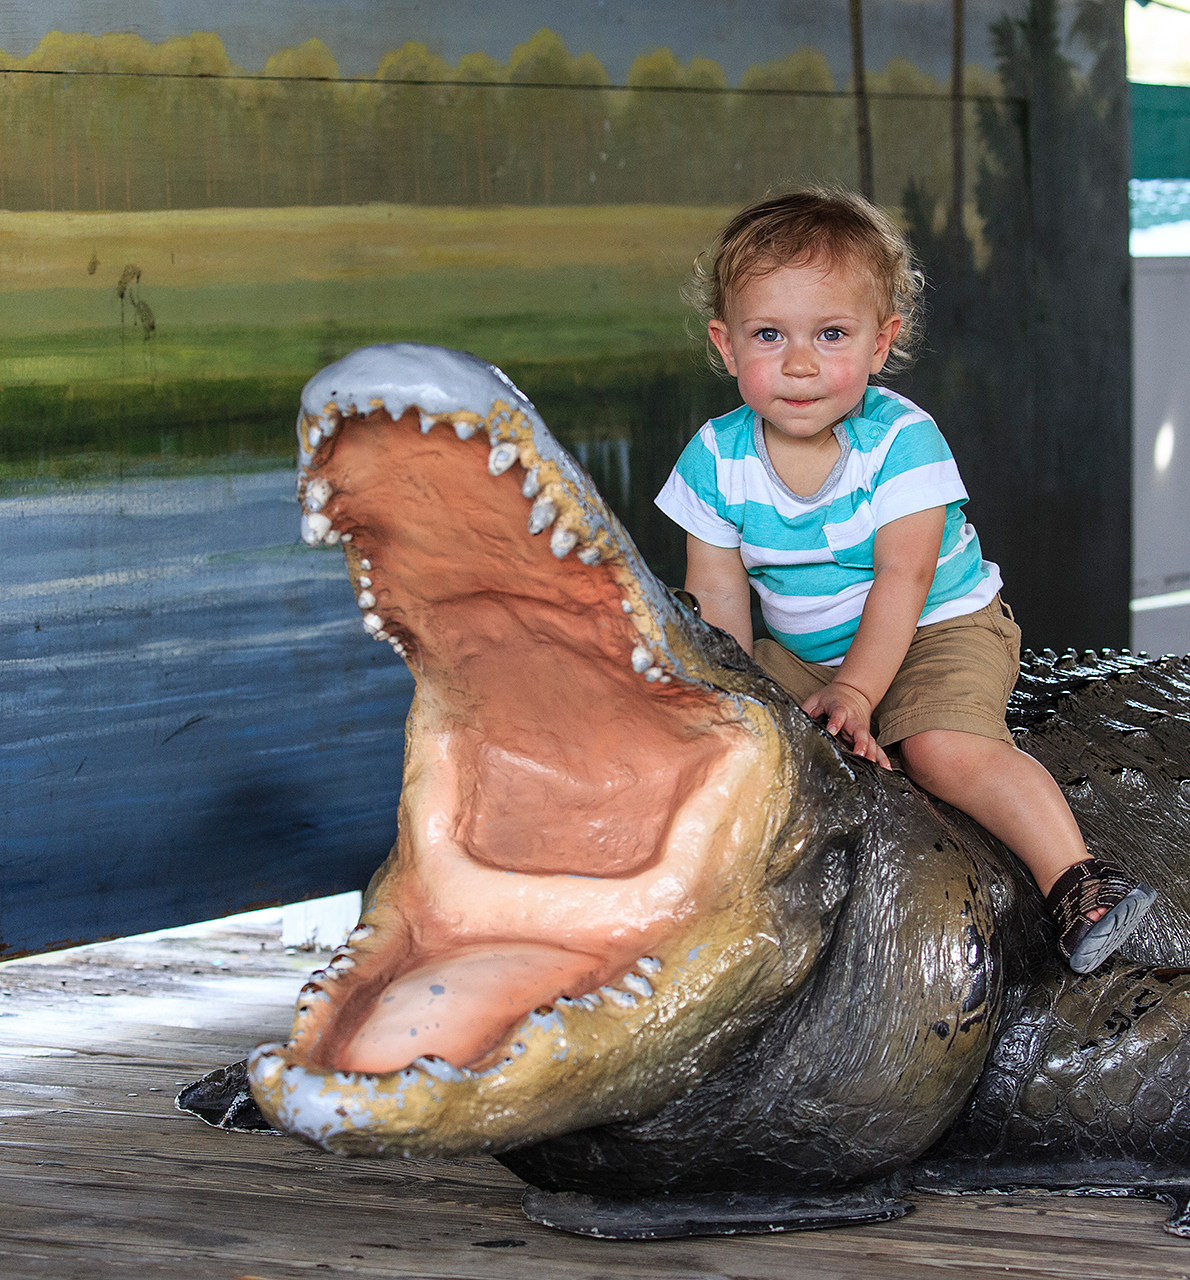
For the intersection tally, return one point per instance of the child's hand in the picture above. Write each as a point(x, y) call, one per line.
point(849, 713)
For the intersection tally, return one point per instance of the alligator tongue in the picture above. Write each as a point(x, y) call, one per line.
point(459, 1007)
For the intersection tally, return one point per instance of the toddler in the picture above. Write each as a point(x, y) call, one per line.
point(841, 503)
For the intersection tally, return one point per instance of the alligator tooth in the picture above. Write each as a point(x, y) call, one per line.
point(362, 931)
point(318, 494)
point(642, 659)
point(347, 537)
point(532, 486)
point(626, 605)
point(650, 964)
point(311, 996)
point(373, 622)
point(380, 635)
point(314, 435)
point(440, 1069)
point(562, 542)
point(321, 975)
point(464, 430)
point(634, 982)
point(543, 514)
point(333, 536)
point(366, 565)
point(365, 581)
point(326, 424)
point(398, 647)
point(502, 457)
point(365, 600)
point(654, 673)
point(346, 962)
point(591, 999)
point(426, 421)
point(314, 528)
point(624, 999)
point(590, 555)
point(666, 679)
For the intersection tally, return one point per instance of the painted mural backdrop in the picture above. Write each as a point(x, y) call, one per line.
point(193, 721)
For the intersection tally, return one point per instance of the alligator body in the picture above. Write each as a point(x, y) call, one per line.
point(647, 934)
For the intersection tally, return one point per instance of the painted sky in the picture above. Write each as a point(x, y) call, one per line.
point(736, 33)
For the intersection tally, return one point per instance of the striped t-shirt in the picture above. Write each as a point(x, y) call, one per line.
point(810, 559)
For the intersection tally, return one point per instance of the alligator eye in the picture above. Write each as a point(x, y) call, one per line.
point(689, 600)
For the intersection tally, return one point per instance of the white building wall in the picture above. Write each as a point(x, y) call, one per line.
point(1161, 455)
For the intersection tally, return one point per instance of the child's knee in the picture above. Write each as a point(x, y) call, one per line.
point(934, 754)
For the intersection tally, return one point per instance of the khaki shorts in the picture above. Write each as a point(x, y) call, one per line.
point(957, 675)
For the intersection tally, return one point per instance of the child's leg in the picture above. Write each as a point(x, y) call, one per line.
point(1096, 904)
point(1004, 790)
point(951, 691)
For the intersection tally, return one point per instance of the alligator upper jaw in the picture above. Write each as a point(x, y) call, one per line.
point(577, 899)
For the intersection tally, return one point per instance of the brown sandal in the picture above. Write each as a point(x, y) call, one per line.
point(1079, 890)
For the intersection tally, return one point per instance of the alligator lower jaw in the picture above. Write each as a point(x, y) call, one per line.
point(627, 988)
point(566, 1066)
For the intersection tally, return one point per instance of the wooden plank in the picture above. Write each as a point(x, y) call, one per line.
point(100, 1177)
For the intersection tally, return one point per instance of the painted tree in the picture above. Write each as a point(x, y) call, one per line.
point(859, 88)
point(798, 134)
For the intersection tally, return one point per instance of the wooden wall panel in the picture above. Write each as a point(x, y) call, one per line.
point(193, 722)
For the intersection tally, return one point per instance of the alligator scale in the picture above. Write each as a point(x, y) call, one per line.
point(647, 934)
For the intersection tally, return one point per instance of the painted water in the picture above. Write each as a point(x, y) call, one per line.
point(190, 707)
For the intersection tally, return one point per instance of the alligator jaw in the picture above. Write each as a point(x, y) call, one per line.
point(592, 805)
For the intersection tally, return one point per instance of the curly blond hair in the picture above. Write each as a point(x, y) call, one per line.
point(813, 224)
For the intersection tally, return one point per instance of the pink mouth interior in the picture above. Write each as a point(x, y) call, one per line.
point(446, 1007)
point(566, 763)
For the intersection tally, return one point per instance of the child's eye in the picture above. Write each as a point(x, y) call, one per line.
point(832, 335)
point(769, 335)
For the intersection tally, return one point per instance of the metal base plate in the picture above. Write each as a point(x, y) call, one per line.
point(710, 1214)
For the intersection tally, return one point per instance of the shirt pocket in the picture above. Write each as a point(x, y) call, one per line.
point(851, 540)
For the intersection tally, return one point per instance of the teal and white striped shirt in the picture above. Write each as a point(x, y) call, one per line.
point(810, 559)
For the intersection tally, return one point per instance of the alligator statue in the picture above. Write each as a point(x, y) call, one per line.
point(653, 939)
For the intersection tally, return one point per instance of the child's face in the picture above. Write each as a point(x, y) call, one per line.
point(801, 342)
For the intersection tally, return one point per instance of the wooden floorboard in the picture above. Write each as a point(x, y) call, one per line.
point(101, 1177)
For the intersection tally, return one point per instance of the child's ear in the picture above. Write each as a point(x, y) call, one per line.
point(885, 337)
point(720, 335)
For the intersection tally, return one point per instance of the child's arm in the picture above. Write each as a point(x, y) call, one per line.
point(716, 575)
point(905, 559)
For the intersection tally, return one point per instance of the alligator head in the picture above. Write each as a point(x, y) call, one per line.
point(622, 850)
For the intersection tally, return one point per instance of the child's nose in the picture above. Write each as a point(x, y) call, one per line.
point(799, 361)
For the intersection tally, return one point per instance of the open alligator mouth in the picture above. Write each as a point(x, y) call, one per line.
point(592, 800)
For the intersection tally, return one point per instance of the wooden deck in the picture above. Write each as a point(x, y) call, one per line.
point(100, 1176)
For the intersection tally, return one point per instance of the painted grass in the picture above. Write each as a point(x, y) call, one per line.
point(197, 248)
point(69, 336)
point(582, 304)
